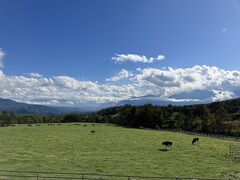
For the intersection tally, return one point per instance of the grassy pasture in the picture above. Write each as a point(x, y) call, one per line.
point(114, 150)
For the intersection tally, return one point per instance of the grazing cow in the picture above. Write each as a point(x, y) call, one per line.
point(167, 143)
point(195, 140)
point(93, 131)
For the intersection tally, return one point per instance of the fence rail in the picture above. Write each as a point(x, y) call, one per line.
point(28, 175)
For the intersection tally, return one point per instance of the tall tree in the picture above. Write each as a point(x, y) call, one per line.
point(206, 118)
point(220, 117)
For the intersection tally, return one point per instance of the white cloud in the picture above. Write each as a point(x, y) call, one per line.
point(1, 73)
point(61, 89)
point(160, 57)
point(136, 58)
point(160, 83)
point(35, 75)
point(121, 75)
point(2, 54)
point(224, 30)
point(166, 82)
point(222, 95)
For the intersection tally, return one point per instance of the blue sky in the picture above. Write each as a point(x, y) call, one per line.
point(78, 39)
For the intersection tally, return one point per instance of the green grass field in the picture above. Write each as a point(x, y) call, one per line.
point(114, 150)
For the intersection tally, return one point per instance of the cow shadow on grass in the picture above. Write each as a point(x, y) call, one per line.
point(164, 149)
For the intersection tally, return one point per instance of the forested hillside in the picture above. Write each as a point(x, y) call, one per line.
point(218, 117)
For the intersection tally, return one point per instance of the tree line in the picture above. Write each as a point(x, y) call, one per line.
point(219, 117)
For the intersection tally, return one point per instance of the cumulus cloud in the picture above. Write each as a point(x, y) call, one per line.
point(62, 89)
point(35, 75)
point(2, 54)
point(222, 95)
point(136, 58)
point(161, 83)
point(121, 75)
point(166, 82)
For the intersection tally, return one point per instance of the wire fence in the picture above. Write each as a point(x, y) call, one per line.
point(28, 175)
point(219, 136)
point(235, 152)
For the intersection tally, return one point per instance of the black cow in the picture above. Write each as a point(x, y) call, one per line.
point(167, 143)
point(195, 140)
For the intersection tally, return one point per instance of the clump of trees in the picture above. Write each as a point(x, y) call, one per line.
point(214, 118)
point(219, 117)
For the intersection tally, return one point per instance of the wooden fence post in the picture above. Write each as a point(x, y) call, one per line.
point(230, 152)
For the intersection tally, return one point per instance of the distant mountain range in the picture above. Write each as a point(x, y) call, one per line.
point(185, 98)
point(179, 99)
point(27, 109)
